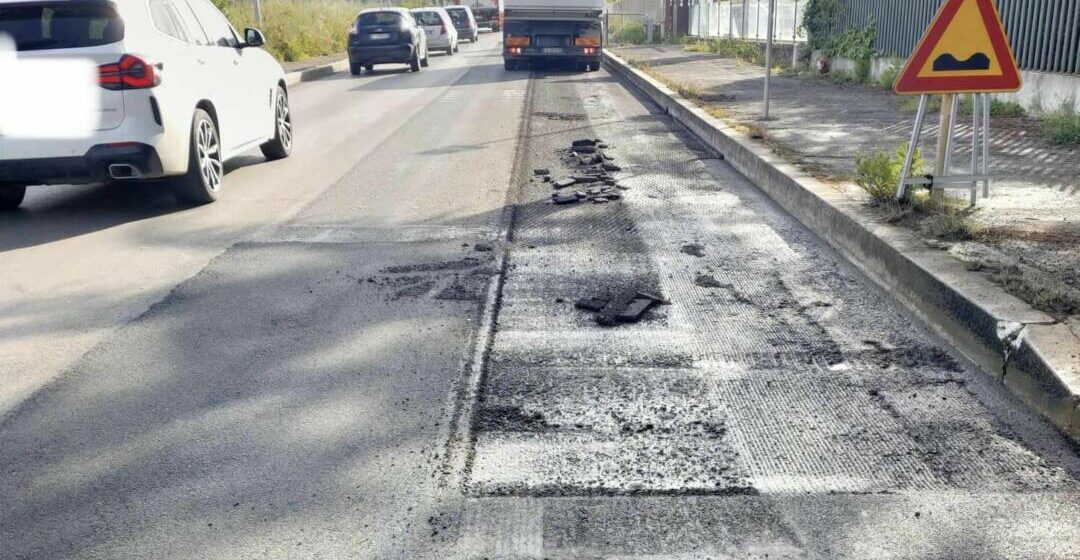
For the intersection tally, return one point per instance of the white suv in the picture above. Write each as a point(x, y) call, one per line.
point(97, 90)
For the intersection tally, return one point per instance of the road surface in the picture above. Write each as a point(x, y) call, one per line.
point(370, 350)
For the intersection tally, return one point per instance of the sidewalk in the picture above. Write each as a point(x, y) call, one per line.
point(1028, 234)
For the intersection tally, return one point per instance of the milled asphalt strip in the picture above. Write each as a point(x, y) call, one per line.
point(1030, 353)
point(461, 405)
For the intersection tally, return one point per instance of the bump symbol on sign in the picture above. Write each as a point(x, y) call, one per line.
point(947, 62)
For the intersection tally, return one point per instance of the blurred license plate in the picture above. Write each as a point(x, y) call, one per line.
point(379, 36)
point(553, 50)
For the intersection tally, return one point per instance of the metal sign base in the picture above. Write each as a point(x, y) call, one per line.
point(980, 151)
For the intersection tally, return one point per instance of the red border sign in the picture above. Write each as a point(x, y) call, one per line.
point(1009, 80)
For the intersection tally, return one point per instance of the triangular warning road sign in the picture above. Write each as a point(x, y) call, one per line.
point(964, 51)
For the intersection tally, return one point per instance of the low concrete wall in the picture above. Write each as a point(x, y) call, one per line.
point(1017, 345)
point(1041, 91)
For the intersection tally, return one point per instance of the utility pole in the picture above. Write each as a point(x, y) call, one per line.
point(768, 54)
point(795, 37)
point(743, 27)
point(258, 12)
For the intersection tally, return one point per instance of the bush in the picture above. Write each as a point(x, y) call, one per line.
point(819, 16)
point(1062, 126)
point(888, 77)
point(997, 108)
point(862, 69)
point(1006, 109)
point(730, 48)
point(627, 32)
point(296, 29)
point(879, 173)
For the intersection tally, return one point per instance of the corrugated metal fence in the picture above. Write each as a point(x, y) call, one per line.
point(1045, 34)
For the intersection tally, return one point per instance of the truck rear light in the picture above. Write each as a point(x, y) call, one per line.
point(517, 41)
point(587, 42)
point(515, 50)
point(590, 50)
point(131, 72)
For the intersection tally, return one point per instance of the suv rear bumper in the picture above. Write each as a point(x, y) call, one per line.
point(92, 167)
point(380, 54)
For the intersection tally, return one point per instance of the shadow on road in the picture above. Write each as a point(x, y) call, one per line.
point(53, 213)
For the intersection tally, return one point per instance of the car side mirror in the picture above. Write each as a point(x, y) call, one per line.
point(253, 38)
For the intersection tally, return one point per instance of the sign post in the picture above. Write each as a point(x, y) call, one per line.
point(768, 55)
point(964, 51)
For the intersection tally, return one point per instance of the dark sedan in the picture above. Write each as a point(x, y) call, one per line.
point(386, 36)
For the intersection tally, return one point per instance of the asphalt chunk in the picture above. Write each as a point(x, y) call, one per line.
point(565, 199)
point(541, 172)
point(583, 142)
point(563, 183)
point(591, 304)
point(608, 316)
point(633, 312)
point(709, 281)
point(693, 249)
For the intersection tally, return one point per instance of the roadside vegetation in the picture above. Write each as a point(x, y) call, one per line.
point(748, 51)
point(878, 173)
point(626, 31)
point(296, 29)
point(1062, 126)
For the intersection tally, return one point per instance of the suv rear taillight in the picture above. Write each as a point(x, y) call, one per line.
point(131, 72)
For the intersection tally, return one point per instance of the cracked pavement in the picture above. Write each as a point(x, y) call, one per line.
point(383, 359)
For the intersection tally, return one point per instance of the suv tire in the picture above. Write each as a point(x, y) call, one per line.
point(355, 68)
point(205, 173)
point(414, 64)
point(11, 196)
point(281, 146)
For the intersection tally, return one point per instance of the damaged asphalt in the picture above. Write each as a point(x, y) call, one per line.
point(778, 381)
point(417, 364)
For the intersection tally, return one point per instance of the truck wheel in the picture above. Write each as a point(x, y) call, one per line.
point(355, 68)
point(369, 68)
point(203, 179)
point(11, 196)
point(414, 64)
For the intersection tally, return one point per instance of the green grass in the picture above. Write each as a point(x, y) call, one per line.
point(879, 172)
point(296, 29)
point(729, 48)
point(888, 77)
point(1042, 293)
point(627, 31)
point(1062, 126)
point(997, 108)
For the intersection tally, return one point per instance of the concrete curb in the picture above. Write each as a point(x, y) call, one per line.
point(316, 72)
point(1035, 357)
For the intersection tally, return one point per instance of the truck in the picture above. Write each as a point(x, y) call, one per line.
point(570, 31)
